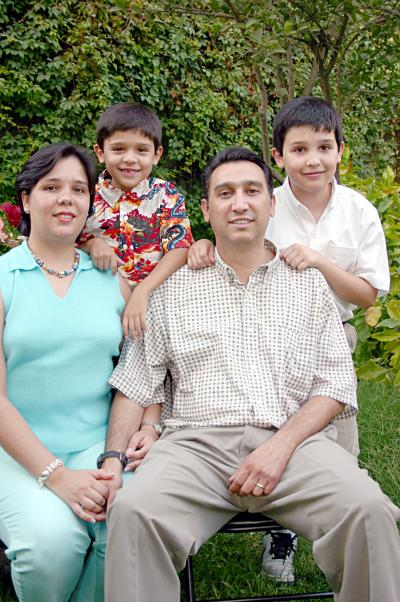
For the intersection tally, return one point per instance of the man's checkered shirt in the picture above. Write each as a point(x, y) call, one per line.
point(239, 353)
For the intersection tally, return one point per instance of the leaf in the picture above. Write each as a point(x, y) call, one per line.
point(395, 284)
point(387, 323)
point(388, 176)
point(287, 27)
point(393, 309)
point(373, 315)
point(386, 335)
point(370, 370)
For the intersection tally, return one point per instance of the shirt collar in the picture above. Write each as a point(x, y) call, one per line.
point(229, 274)
point(112, 195)
point(22, 259)
point(295, 203)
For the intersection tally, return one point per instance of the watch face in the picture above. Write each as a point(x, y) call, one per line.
point(158, 429)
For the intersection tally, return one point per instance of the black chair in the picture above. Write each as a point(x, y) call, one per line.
point(244, 522)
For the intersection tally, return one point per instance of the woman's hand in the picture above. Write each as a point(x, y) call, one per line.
point(83, 490)
point(139, 445)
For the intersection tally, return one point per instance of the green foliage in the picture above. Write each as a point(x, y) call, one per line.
point(378, 351)
point(63, 63)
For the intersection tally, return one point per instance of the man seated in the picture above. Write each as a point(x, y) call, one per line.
point(260, 367)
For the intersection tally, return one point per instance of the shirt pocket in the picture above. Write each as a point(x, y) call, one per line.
point(344, 257)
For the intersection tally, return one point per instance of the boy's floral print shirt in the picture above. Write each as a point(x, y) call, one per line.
point(142, 224)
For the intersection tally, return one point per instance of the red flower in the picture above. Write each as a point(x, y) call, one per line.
point(13, 213)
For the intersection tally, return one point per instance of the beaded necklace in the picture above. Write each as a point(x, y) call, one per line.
point(54, 272)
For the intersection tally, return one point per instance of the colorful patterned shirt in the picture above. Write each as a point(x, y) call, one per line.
point(141, 225)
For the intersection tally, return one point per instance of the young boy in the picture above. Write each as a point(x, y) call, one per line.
point(320, 224)
point(139, 225)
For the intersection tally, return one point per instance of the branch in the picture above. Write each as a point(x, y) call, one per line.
point(291, 84)
point(312, 78)
point(180, 11)
point(234, 10)
point(277, 176)
point(375, 21)
point(262, 115)
point(337, 45)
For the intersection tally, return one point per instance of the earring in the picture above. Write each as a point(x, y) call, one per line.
point(26, 209)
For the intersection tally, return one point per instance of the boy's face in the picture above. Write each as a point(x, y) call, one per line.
point(129, 157)
point(310, 159)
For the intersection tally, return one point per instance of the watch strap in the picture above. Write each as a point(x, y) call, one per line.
point(156, 426)
point(112, 454)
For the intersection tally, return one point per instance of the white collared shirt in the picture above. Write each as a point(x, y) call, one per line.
point(349, 233)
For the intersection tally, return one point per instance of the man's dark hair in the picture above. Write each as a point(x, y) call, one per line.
point(235, 153)
point(306, 110)
point(129, 116)
point(41, 163)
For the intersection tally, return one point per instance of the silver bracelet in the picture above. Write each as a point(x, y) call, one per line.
point(42, 478)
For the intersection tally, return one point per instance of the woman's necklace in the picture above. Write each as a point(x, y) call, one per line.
point(53, 271)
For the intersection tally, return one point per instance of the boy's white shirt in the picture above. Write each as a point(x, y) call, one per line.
point(349, 233)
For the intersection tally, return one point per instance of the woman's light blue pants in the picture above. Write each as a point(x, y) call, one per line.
point(55, 556)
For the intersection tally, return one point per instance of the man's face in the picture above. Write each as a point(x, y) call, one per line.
point(310, 159)
point(239, 205)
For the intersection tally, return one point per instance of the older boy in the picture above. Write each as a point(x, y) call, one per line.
point(321, 224)
point(139, 225)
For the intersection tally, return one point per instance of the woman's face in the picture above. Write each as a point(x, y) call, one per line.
point(59, 203)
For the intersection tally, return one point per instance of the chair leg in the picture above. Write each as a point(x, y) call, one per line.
point(189, 580)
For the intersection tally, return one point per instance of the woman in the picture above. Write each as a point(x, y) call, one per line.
point(60, 321)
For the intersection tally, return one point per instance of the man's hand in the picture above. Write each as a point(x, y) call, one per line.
point(263, 467)
point(201, 255)
point(139, 445)
point(113, 467)
point(103, 256)
point(134, 317)
point(301, 257)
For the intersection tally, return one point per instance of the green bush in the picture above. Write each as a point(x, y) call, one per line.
point(378, 351)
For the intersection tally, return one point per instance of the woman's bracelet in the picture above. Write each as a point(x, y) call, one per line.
point(42, 478)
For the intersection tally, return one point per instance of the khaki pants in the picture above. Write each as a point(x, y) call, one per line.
point(179, 498)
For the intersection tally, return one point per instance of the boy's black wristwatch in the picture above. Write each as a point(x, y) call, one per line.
point(112, 454)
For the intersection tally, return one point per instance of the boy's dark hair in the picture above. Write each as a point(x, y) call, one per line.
point(306, 110)
point(129, 116)
point(235, 153)
point(41, 163)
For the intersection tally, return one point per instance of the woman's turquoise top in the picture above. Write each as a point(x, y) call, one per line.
point(59, 351)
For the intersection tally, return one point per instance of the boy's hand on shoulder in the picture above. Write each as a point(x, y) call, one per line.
point(103, 256)
point(134, 316)
point(201, 255)
point(301, 257)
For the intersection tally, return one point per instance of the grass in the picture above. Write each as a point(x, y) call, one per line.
point(230, 565)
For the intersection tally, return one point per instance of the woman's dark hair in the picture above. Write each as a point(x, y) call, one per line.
point(41, 163)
